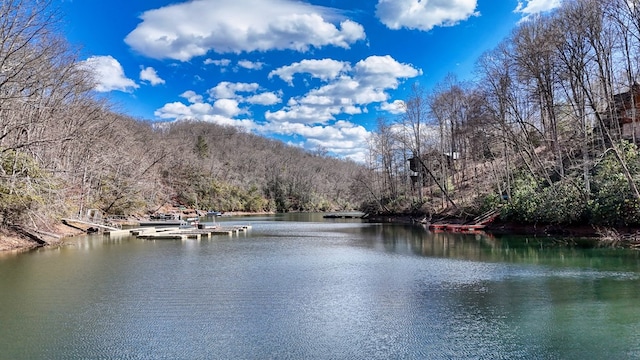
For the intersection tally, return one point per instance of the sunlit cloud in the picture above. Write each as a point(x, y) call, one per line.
point(108, 74)
point(265, 98)
point(529, 7)
point(424, 14)
point(150, 75)
point(229, 90)
point(368, 82)
point(317, 116)
point(251, 65)
point(185, 30)
point(396, 107)
point(191, 96)
point(325, 69)
point(344, 139)
point(218, 62)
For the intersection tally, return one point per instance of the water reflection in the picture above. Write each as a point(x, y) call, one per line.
point(402, 239)
point(321, 289)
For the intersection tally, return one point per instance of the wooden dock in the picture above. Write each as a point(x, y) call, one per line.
point(476, 225)
point(343, 216)
point(87, 226)
point(457, 228)
point(180, 233)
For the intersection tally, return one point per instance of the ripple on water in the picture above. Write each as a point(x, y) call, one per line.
point(324, 292)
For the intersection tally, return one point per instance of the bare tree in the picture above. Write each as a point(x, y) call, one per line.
point(534, 53)
point(414, 121)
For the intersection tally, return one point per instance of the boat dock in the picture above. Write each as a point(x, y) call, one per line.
point(179, 233)
point(457, 228)
point(349, 215)
point(476, 225)
point(87, 226)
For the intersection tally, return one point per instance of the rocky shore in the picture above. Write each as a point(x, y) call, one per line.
point(18, 238)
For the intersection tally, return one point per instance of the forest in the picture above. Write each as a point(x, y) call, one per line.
point(64, 151)
point(545, 132)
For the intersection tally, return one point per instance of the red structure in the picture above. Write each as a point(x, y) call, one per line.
point(477, 225)
point(626, 110)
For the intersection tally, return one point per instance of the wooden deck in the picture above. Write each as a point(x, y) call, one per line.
point(343, 216)
point(86, 225)
point(456, 228)
point(476, 225)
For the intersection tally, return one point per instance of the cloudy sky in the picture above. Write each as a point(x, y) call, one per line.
point(312, 73)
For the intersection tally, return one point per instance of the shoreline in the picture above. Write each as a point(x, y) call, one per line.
point(23, 240)
point(17, 240)
point(622, 237)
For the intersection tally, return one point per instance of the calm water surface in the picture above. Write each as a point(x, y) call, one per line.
point(300, 287)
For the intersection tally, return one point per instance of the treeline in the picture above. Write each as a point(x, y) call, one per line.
point(63, 151)
point(223, 168)
point(544, 131)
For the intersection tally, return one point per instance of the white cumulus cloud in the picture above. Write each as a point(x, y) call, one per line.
point(191, 96)
point(424, 14)
point(226, 102)
point(265, 98)
point(396, 107)
point(320, 116)
point(324, 69)
point(251, 65)
point(229, 90)
point(368, 82)
point(343, 138)
point(217, 62)
point(532, 7)
point(175, 110)
point(108, 74)
point(186, 30)
point(226, 107)
point(150, 75)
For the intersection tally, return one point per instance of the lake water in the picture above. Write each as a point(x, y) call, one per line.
point(301, 287)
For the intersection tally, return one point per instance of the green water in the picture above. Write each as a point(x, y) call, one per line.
point(300, 287)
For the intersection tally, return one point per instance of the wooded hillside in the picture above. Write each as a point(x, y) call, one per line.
point(63, 151)
point(546, 131)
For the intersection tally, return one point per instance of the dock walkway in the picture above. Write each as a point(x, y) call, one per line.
point(180, 233)
point(86, 225)
point(476, 225)
point(349, 215)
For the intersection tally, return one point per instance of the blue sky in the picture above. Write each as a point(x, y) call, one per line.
point(314, 73)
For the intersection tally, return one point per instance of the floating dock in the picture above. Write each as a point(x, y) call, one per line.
point(180, 233)
point(343, 216)
point(457, 228)
point(162, 223)
point(86, 226)
point(477, 225)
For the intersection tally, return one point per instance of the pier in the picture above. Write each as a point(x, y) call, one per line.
point(476, 225)
point(87, 226)
point(473, 228)
point(349, 215)
point(179, 233)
